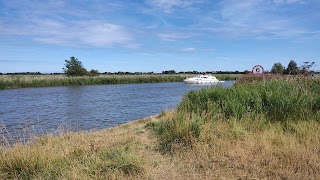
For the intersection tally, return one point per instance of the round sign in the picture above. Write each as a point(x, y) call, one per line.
point(257, 69)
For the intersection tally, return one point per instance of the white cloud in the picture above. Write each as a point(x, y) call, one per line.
point(174, 36)
point(168, 6)
point(287, 1)
point(53, 22)
point(75, 34)
point(189, 49)
point(258, 19)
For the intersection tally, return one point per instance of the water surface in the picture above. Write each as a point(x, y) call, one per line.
point(46, 110)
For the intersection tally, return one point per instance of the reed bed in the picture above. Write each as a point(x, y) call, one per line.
point(23, 81)
point(9, 82)
point(277, 99)
point(265, 128)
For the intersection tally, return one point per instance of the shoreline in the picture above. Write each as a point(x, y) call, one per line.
point(34, 81)
point(132, 151)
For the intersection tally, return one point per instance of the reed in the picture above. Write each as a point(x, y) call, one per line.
point(23, 81)
point(265, 128)
point(9, 82)
point(270, 100)
point(276, 99)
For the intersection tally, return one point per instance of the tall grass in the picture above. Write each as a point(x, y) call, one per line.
point(23, 81)
point(228, 77)
point(276, 99)
point(72, 156)
point(8, 82)
point(269, 100)
point(265, 128)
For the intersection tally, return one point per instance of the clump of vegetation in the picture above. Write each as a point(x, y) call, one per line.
point(93, 72)
point(74, 67)
point(264, 129)
point(276, 98)
point(292, 68)
point(73, 156)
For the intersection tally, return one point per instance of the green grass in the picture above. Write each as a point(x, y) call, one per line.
point(264, 128)
point(9, 82)
point(24, 81)
point(270, 100)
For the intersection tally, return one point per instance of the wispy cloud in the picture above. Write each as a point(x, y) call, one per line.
point(287, 1)
point(79, 24)
point(75, 34)
point(259, 19)
point(86, 33)
point(168, 6)
point(74, 27)
point(173, 36)
point(189, 49)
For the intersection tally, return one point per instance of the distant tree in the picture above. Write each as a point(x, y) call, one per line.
point(94, 72)
point(169, 72)
point(74, 67)
point(277, 68)
point(305, 68)
point(292, 68)
point(246, 71)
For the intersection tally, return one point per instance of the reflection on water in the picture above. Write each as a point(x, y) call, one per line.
point(46, 110)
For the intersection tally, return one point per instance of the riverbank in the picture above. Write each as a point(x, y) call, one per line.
point(268, 129)
point(228, 150)
point(24, 81)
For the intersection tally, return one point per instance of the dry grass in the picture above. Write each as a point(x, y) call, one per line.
point(224, 150)
point(232, 150)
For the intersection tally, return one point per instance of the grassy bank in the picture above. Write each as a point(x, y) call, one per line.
point(215, 133)
point(23, 81)
point(260, 128)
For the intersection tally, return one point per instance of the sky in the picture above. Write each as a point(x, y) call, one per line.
point(157, 35)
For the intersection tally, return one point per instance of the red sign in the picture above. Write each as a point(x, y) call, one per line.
point(257, 69)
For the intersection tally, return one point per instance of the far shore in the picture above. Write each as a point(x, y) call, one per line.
point(26, 81)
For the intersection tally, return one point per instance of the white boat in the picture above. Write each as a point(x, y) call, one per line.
point(202, 79)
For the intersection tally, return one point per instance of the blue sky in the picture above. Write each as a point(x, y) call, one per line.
point(157, 35)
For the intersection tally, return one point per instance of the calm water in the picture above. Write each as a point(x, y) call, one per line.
point(46, 110)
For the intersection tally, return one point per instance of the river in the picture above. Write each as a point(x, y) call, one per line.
point(55, 109)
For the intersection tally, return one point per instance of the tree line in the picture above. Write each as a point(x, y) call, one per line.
point(292, 68)
point(74, 67)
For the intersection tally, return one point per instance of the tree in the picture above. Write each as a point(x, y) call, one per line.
point(169, 72)
point(74, 67)
point(246, 72)
point(277, 68)
point(292, 68)
point(94, 72)
point(305, 68)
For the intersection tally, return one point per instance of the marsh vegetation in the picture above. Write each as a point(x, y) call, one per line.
point(261, 128)
point(23, 81)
